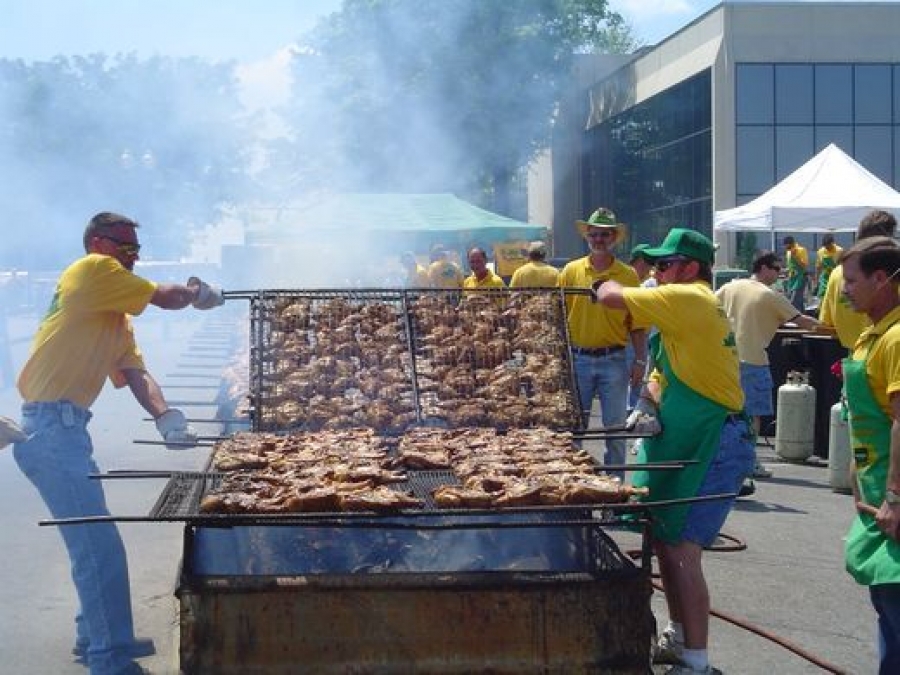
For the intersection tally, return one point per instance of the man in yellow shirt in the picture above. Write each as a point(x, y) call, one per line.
point(836, 310)
point(536, 273)
point(442, 273)
point(598, 333)
point(796, 260)
point(872, 386)
point(826, 260)
point(482, 276)
point(756, 312)
point(85, 338)
point(696, 388)
point(416, 274)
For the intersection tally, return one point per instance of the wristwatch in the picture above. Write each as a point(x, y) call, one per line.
point(892, 498)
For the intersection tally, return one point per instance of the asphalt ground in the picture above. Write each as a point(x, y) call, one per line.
point(786, 577)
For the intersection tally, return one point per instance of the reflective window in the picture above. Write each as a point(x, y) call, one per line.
point(754, 93)
point(872, 94)
point(793, 146)
point(840, 136)
point(873, 150)
point(755, 159)
point(834, 94)
point(897, 94)
point(793, 94)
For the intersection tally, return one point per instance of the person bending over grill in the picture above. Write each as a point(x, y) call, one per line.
point(756, 312)
point(696, 390)
point(85, 337)
point(599, 333)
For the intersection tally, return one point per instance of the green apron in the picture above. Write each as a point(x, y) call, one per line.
point(796, 277)
point(871, 557)
point(828, 265)
point(692, 428)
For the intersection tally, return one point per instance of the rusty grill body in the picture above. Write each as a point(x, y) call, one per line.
point(522, 590)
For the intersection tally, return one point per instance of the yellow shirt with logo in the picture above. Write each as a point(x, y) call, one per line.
point(444, 274)
point(535, 274)
point(696, 335)
point(86, 335)
point(837, 312)
point(590, 323)
point(883, 365)
point(490, 280)
point(756, 312)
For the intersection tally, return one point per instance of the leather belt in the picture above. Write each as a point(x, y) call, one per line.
point(598, 351)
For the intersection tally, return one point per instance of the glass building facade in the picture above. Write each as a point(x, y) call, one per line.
point(787, 112)
point(653, 163)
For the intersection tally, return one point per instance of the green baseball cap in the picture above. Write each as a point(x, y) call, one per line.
point(688, 243)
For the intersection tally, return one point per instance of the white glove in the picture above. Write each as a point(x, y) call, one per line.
point(644, 419)
point(175, 430)
point(10, 432)
point(207, 296)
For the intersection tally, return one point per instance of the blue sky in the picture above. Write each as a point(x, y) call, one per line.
point(245, 30)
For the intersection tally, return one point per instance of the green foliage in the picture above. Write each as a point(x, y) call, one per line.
point(746, 250)
point(437, 95)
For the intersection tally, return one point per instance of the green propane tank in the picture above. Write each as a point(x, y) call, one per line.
point(794, 428)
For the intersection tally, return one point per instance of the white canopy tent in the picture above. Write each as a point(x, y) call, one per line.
point(830, 193)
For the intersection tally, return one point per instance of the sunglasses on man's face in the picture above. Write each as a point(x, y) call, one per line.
point(601, 233)
point(666, 263)
point(124, 247)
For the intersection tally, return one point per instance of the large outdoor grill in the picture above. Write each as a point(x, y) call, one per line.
point(279, 576)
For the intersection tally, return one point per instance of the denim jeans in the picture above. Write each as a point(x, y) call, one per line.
point(886, 600)
point(605, 377)
point(57, 459)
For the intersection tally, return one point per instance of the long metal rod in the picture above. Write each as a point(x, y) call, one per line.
point(199, 443)
point(365, 519)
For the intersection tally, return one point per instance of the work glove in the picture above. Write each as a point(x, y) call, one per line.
point(175, 430)
point(644, 419)
point(10, 432)
point(207, 296)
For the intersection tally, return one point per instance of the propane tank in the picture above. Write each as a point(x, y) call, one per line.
point(839, 455)
point(794, 429)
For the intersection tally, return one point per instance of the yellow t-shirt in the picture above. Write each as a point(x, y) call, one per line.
point(590, 323)
point(756, 312)
point(696, 335)
point(883, 366)
point(444, 274)
point(491, 280)
point(535, 274)
point(86, 335)
point(825, 253)
point(418, 278)
point(837, 312)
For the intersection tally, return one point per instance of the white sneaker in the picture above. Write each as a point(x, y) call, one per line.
point(667, 649)
point(759, 471)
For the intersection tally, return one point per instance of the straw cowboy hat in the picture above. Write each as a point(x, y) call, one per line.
point(603, 218)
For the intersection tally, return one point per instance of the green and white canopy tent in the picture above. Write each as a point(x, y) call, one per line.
point(417, 220)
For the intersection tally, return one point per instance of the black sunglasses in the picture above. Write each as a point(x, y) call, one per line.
point(666, 263)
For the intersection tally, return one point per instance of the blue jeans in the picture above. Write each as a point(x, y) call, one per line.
point(57, 459)
point(605, 377)
point(886, 601)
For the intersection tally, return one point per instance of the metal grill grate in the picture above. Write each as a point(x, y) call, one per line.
point(388, 359)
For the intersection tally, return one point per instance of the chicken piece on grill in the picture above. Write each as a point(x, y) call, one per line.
point(378, 499)
point(460, 497)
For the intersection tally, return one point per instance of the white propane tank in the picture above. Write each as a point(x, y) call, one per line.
point(795, 424)
point(839, 454)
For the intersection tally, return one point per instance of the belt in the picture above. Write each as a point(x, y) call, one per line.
point(598, 351)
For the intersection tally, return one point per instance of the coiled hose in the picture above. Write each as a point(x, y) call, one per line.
point(734, 545)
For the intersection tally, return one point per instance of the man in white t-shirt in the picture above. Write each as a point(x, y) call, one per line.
point(756, 312)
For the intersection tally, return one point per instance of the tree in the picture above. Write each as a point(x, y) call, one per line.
point(161, 140)
point(437, 95)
